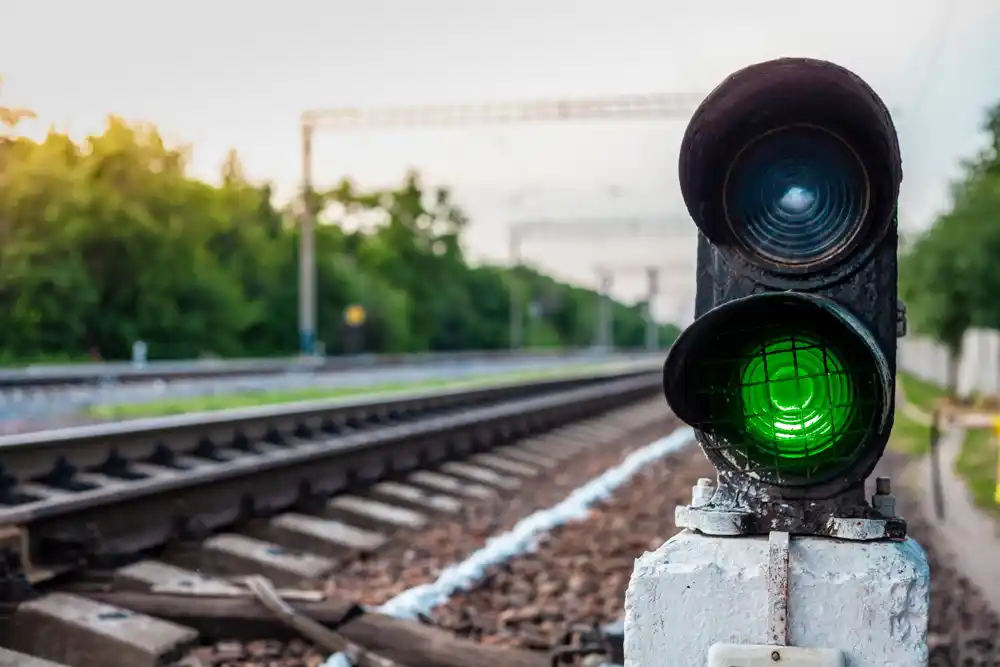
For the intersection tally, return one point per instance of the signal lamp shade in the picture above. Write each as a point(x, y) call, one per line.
point(796, 195)
point(788, 387)
point(793, 164)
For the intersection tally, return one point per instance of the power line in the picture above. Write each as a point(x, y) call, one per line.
point(656, 106)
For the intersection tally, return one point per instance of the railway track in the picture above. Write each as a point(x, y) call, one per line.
point(297, 493)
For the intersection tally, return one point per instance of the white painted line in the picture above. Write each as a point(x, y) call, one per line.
point(420, 600)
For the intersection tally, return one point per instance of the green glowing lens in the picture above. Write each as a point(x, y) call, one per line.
point(797, 398)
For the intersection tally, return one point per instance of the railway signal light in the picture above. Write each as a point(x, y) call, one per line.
point(791, 171)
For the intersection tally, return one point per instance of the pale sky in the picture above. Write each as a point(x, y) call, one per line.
point(221, 73)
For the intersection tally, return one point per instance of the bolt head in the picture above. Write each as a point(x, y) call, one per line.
point(702, 492)
point(883, 486)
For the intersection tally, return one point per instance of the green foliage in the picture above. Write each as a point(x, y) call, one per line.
point(109, 242)
point(923, 395)
point(948, 275)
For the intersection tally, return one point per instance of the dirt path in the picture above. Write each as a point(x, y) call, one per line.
point(963, 630)
point(968, 537)
point(967, 534)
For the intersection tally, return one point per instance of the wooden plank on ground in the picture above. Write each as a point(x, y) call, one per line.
point(244, 618)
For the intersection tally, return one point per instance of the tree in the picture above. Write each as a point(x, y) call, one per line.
point(948, 274)
point(937, 289)
point(110, 241)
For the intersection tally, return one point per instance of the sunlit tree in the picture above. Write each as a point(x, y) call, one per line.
point(11, 116)
point(110, 241)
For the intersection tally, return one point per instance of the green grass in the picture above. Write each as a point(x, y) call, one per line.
point(178, 406)
point(908, 436)
point(977, 465)
point(921, 393)
point(977, 461)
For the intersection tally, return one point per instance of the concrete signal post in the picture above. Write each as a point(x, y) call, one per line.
point(791, 171)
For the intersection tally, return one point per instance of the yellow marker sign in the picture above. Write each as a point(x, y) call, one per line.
point(354, 316)
point(996, 493)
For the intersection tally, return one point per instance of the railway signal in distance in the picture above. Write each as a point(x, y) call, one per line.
point(791, 171)
point(354, 315)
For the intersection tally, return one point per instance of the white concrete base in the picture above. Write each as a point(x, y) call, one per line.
point(870, 600)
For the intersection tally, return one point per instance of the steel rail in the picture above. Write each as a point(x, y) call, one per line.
point(123, 488)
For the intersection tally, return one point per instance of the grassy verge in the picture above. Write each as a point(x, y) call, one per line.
point(977, 465)
point(177, 406)
point(908, 436)
point(921, 393)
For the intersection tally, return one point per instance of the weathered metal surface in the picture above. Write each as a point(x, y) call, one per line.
point(777, 588)
point(742, 507)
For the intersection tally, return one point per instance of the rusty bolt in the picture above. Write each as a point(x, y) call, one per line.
point(775, 656)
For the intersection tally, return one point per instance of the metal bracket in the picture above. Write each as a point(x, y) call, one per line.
point(777, 650)
point(731, 509)
point(729, 523)
point(777, 588)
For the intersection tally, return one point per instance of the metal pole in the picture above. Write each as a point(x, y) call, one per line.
point(516, 323)
point(937, 494)
point(307, 251)
point(652, 334)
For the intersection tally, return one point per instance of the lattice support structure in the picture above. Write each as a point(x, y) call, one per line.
point(665, 226)
point(663, 106)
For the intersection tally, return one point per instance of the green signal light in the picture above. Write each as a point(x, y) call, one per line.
point(797, 399)
point(788, 388)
